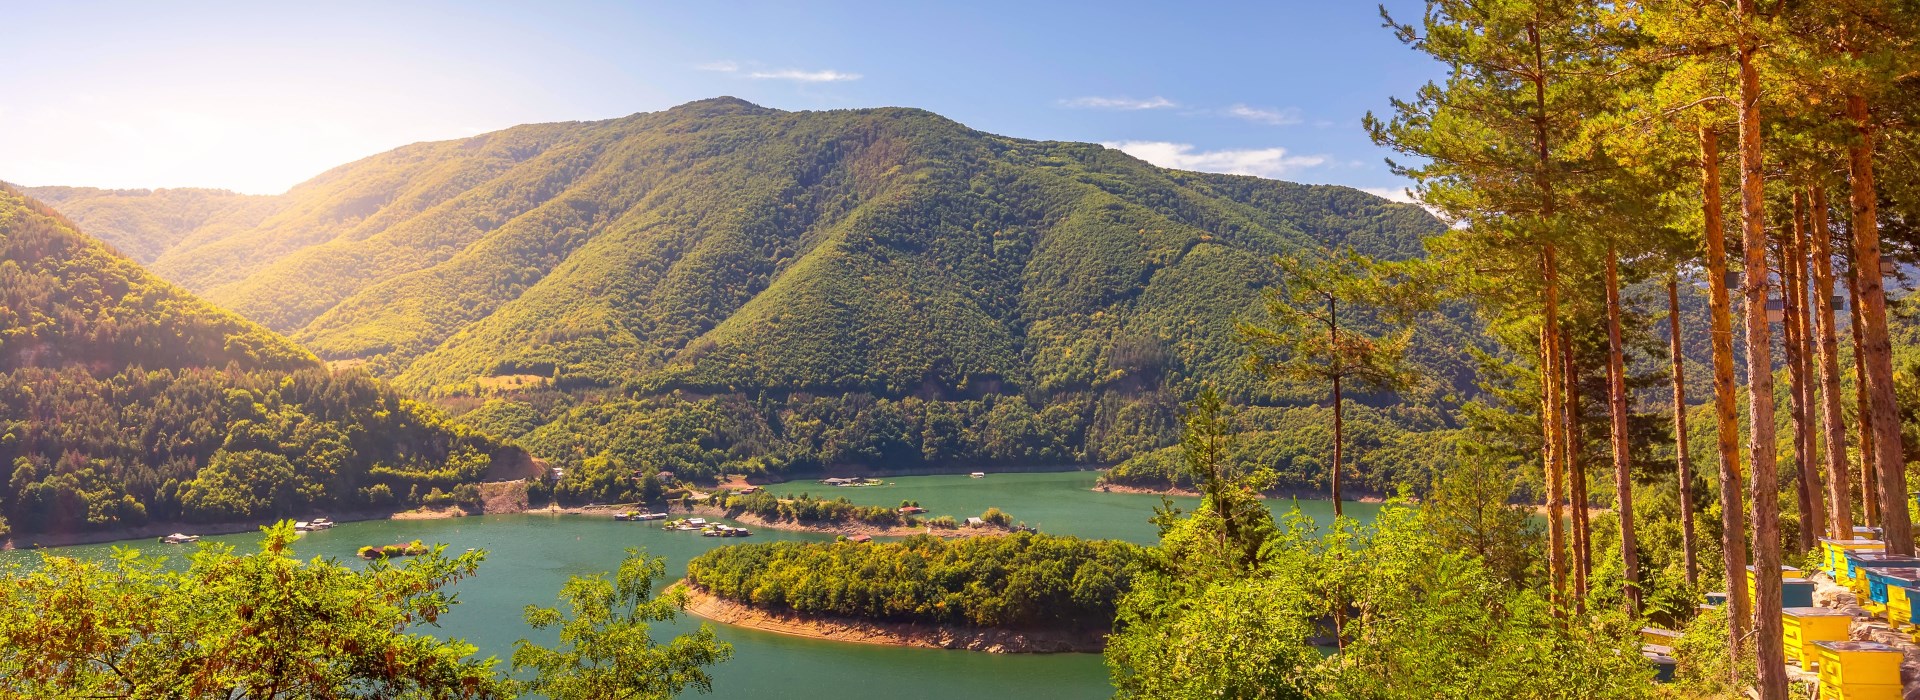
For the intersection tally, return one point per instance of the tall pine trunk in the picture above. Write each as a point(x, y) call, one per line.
point(1833, 421)
point(1622, 459)
point(1339, 429)
point(1733, 522)
point(1877, 350)
point(1770, 653)
point(1793, 297)
point(1577, 479)
point(1863, 408)
point(1551, 422)
point(1680, 457)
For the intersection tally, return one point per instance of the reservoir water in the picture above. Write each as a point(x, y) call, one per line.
point(530, 555)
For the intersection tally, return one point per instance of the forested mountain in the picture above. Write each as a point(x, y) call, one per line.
point(143, 224)
point(125, 399)
point(843, 287)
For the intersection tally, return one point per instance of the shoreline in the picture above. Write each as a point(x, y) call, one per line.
point(1277, 494)
point(707, 606)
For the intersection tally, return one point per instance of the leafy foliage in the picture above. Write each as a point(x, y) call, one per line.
point(605, 648)
point(1020, 580)
point(124, 399)
point(262, 625)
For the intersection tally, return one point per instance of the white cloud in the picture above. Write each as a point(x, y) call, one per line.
point(804, 76)
point(1397, 194)
point(1120, 103)
point(1275, 117)
point(793, 74)
point(1263, 162)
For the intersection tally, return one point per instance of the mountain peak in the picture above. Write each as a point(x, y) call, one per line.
point(724, 104)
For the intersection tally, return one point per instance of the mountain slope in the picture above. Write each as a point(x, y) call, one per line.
point(726, 288)
point(124, 399)
point(144, 224)
point(723, 246)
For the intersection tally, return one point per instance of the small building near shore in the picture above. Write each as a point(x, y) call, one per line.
point(976, 522)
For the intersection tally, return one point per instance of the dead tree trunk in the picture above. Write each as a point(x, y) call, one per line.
point(1833, 421)
point(1680, 457)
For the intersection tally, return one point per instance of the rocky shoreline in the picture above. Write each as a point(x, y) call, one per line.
point(706, 605)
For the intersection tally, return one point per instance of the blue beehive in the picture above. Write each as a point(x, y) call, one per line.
point(1857, 562)
point(1663, 665)
point(1796, 593)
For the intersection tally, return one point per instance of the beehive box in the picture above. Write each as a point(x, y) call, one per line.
point(1801, 627)
point(1795, 592)
point(1858, 671)
point(1858, 562)
point(1834, 554)
point(1902, 586)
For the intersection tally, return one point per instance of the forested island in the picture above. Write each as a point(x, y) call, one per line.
point(1020, 592)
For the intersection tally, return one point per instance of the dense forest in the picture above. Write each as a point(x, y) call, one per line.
point(725, 287)
point(124, 399)
point(1021, 580)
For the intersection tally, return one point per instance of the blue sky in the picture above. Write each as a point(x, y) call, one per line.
point(259, 96)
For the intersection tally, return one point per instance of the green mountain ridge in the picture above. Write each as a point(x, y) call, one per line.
point(125, 399)
point(724, 288)
point(693, 248)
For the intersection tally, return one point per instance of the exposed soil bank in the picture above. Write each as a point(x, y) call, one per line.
point(846, 629)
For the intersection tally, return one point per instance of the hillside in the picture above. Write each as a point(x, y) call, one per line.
point(125, 399)
point(826, 288)
point(143, 224)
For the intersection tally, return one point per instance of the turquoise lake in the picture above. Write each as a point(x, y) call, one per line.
point(530, 555)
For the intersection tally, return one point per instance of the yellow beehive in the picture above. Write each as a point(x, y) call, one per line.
point(1801, 627)
point(1835, 554)
point(1858, 671)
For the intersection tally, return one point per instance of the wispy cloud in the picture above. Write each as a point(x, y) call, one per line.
point(791, 74)
point(1263, 162)
point(1397, 194)
point(1275, 117)
point(1119, 103)
point(804, 76)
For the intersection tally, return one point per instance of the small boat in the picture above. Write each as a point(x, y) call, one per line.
point(978, 475)
point(718, 530)
point(697, 522)
point(650, 516)
point(624, 516)
point(315, 525)
point(177, 538)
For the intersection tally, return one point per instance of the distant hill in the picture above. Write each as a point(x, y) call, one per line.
point(124, 399)
point(859, 287)
point(142, 224)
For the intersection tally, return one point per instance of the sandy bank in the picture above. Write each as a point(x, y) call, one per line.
point(845, 629)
